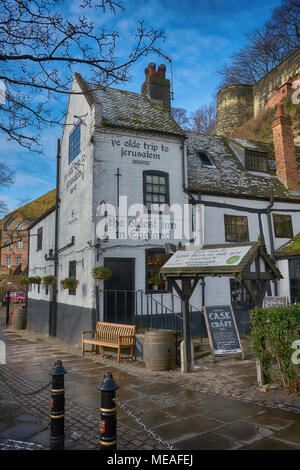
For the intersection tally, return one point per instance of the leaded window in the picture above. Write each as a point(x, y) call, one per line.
point(74, 142)
point(156, 188)
point(39, 243)
point(236, 228)
point(72, 273)
point(256, 161)
point(283, 227)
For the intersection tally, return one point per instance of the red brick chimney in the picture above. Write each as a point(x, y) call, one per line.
point(156, 85)
point(284, 148)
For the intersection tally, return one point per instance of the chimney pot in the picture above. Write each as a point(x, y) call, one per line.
point(161, 71)
point(152, 68)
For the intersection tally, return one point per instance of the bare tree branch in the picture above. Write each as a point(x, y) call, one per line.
point(265, 47)
point(204, 119)
point(40, 49)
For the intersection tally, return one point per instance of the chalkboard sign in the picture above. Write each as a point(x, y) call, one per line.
point(275, 302)
point(222, 330)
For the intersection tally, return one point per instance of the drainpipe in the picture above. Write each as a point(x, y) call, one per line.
point(52, 326)
point(183, 138)
point(271, 236)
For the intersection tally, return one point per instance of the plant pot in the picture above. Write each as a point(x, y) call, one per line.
point(69, 285)
point(102, 273)
point(99, 276)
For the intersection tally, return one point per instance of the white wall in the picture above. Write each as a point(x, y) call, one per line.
point(75, 213)
point(38, 265)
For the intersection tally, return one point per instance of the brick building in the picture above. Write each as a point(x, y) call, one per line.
point(14, 245)
point(14, 233)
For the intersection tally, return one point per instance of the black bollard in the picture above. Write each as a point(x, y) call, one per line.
point(108, 418)
point(57, 413)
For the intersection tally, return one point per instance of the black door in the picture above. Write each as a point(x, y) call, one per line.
point(119, 291)
point(295, 280)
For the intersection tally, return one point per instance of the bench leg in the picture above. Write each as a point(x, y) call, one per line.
point(131, 351)
point(119, 354)
point(82, 347)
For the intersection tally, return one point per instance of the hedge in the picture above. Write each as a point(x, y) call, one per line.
point(273, 332)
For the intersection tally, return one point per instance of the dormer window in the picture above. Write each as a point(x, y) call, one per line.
point(205, 159)
point(256, 161)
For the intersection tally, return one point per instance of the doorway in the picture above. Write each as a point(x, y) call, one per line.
point(119, 291)
point(295, 280)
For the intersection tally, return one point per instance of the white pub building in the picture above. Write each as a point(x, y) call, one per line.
point(130, 181)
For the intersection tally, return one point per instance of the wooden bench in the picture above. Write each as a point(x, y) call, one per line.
point(112, 335)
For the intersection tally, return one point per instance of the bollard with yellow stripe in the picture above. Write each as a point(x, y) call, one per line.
point(57, 409)
point(108, 417)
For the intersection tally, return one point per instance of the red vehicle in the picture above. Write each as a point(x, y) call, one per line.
point(15, 297)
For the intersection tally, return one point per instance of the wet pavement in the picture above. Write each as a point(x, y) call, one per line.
point(170, 405)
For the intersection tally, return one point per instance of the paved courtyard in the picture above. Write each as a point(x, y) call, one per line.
point(218, 406)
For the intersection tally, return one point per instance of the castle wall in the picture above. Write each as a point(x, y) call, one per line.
point(234, 107)
point(264, 89)
point(236, 104)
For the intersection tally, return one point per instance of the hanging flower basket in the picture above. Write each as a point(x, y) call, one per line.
point(24, 280)
point(100, 272)
point(69, 283)
point(34, 280)
point(49, 280)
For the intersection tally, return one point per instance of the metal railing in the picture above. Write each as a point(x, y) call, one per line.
point(150, 310)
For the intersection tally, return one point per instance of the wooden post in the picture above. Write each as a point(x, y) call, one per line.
point(186, 288)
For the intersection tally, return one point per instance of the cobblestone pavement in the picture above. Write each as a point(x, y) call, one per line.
point(218, 406)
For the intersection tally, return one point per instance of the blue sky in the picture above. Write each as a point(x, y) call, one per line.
point(200, 36)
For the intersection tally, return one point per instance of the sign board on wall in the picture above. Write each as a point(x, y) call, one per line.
point(229, 256)
point(222, 331)
point(275, 302)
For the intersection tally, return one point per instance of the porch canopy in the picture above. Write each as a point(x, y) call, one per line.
point(249, 262)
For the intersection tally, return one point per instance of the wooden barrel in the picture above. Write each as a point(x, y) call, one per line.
point(19, 316)
point(159, 350)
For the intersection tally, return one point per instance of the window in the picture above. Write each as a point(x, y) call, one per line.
point(20, 245)
point(236, 228)
point(39, 242)
point(283, 226)
point(72, 273)
point(256, 161)
point(74, 142)
point(18, 260)
point(8, 261)
point(240, 297)
point(154, 261)
point(206, 161)
point(156, 188)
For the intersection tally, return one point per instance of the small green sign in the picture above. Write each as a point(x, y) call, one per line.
point(232, 259)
